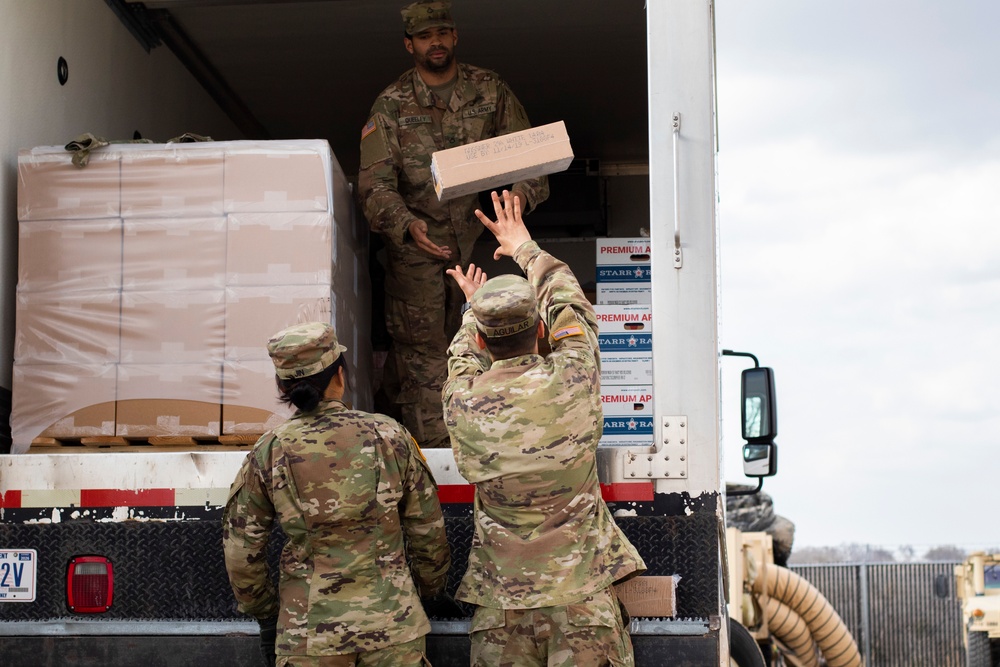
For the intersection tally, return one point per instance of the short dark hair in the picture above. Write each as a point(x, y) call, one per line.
point(306, 393)
point(515, 345)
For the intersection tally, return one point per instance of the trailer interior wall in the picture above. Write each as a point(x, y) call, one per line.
point(114, 89)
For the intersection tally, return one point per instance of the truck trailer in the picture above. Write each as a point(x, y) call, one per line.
point(112, 555)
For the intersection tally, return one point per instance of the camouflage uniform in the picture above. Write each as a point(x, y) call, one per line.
point(408, 122)
point(346, 487)
point(525, 431)
point(408, 653)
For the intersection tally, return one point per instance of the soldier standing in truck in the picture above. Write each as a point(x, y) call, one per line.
point(439, 104)
point(525, 429)
point(346, 487)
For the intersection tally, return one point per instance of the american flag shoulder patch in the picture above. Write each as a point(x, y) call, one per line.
point(566, 332)
point(368, 128)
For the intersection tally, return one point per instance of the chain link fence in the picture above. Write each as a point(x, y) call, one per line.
point(892, 612)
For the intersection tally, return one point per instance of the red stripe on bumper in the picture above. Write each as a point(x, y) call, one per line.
point(627, 491)
point(125, 498)
point(11, 499)
point(456, 493)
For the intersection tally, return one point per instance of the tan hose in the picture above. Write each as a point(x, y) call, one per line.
point(826, 627)
point(793, 632)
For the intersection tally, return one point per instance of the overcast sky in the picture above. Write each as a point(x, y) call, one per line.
point(859, 181)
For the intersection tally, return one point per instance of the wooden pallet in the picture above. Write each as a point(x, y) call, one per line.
point(107, 443)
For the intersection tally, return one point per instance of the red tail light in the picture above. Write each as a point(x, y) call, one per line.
point(90, 585)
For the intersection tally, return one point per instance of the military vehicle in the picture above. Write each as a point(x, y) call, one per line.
point(977, 584)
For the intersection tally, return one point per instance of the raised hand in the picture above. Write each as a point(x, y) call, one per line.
point(469, 281)
point(509, 228)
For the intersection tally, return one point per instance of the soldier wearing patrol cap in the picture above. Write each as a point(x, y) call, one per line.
point(346, 487)
point(525, 430)
point(439, 104)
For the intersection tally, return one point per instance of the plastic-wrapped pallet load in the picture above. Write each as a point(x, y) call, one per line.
point(150, 280)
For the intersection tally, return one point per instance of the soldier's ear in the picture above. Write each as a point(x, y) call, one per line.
point(541, 329)
point(480, 342)
point(408, 43)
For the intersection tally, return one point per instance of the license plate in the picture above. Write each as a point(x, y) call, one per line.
point(17, 575)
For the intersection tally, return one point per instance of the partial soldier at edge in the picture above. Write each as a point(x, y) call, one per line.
point(345, 486)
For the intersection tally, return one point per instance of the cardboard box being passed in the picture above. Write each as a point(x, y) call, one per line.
point(649, 596)
point(502, 160)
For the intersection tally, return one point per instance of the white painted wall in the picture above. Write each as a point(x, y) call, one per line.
point(114, 88)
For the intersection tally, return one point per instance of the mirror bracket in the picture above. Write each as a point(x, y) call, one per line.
point(748, 492)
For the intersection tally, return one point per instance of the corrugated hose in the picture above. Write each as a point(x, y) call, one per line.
point(825, 626)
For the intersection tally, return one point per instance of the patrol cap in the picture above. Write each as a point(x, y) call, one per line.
point(303, 349)
point(505, 306)
point(420, 16)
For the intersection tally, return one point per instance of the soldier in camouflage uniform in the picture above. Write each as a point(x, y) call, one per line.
point(345, 486)
point(525, 430)
point(438, 104)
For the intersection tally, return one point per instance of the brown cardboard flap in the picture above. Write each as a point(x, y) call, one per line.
point(649, 596)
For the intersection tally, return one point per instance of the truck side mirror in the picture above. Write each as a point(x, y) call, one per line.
point(758, 405)
point(760, 460)
point(760, 422)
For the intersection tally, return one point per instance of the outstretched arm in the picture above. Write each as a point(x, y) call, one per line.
point(378, 183)
point(511, 117)
point(418, 232)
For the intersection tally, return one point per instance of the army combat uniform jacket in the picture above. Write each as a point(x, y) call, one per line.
point(345, 486)
point(408, 122)
point(406, 125)
point(525, 431)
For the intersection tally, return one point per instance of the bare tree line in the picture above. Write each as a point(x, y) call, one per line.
point(871, 553)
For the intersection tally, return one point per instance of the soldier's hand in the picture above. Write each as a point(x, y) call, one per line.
point(418, 230)
point(508, 227)
point(469, 281)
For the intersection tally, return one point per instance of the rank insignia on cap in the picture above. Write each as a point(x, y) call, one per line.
point(368, 128)
point(566, 332)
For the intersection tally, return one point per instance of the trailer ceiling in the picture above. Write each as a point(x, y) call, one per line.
point(312, 69)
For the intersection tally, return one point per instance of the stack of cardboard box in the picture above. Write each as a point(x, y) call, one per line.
point(150, 280)
point(623, 270)
point(626, 341)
